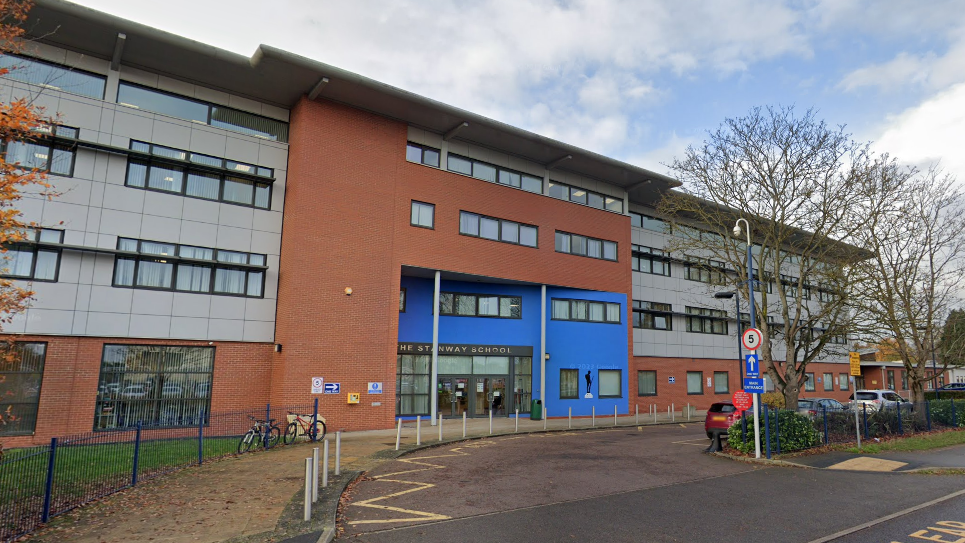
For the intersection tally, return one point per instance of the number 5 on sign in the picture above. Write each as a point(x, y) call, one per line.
point(752, 339)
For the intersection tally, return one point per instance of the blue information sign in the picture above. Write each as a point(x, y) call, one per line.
point(333, 388)
point(752, 366)
point(754, 386)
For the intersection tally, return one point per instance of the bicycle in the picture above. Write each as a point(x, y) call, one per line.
point(267, 431)
point(304, 423)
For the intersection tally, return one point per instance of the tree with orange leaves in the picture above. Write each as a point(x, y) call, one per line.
point(20, 121)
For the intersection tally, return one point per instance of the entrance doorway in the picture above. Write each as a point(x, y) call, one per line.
point(475, 396)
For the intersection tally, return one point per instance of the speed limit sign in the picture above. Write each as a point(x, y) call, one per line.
point(752, 339)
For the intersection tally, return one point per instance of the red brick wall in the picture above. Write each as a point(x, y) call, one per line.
point(68, 392)
point(347, 213)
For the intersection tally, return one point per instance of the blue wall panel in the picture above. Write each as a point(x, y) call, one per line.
point(578, 345)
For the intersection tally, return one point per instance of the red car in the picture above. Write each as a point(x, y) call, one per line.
point(720, 417)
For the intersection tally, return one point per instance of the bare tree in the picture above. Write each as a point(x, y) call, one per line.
point(795, 180)
point(951, 346)
point(913, 223)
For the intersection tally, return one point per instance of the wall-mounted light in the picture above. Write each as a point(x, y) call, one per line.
point(348, 291)
point(546, 356)
point(278, 347)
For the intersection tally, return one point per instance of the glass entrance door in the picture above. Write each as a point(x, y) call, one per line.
point(454, 396)
point(489, 393)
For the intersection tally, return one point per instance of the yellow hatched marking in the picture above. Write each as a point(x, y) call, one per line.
point(420, 461)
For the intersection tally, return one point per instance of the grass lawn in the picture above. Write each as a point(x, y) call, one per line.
point(922, 442)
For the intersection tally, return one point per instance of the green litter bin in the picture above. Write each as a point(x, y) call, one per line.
point(536, 410)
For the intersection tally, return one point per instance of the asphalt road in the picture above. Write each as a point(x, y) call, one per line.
point(654, 484)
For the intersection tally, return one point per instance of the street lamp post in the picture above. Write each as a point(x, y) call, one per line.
point(750, 296)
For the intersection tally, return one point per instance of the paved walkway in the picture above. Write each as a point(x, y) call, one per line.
point(256, 497)
point(946, 458)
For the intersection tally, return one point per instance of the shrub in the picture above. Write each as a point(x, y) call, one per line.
point(941, 412)
point(773, 399)
point(796, 433)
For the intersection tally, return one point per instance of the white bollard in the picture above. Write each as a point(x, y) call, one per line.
point(673, 414)
point(325, 464)
point(418, 430)
point(637, 415)
point(569, 423)
point(463, 424)
point(315, 475)
point(593, 417)
point(308, 489)
point(398, 435)
point(490, 421)
point(655, 413)
point(517, 421)
point(440, 425)
point(614, 415)
point(338, 452)
point(545, 416)
point(688, 411)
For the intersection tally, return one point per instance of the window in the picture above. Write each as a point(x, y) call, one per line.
point(695, 382)
point(53, 76)
point(494, 174)
point(610, 383)
point(27, 260)
point(706, 321)
point(825, 296)
point(422, 155)
point(480, 305)
point(791, 287)
point(583, 246)
point(652, 315)
point(704, 270)
point(569, 384)
point(185, 268)
point(43, 153)
point(843, 381)
point(721, 384)
point(588, 198)
point(809, 382)
point(586, 311)
point(523, 382)
point(190, 174)
point(202, 112)
point(21, 374)
point(904, 380)
point(423, 215)
point(828, 382)
point(480, 226)
point(650, 260)
point(155, 385)
point(891, 379)
point(646, 383)
point(412, 384)
point(649, 223)
point(401, 300)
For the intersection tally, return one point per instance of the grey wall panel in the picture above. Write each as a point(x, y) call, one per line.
point(111, 300)
point(189, 327)
point(60, 296)
point(49, 321)
point(121, 198)
point(226, 330)
point(163, 205)
point(152, 302)
point(199, 233)
point(191, 305)
point(227, 307)
point(108, 324)
point(150, 326)
point(237, 216)
point(259, 331)
point(260, 309)
point(160, 228)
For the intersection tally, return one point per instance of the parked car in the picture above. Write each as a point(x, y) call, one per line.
point(813, 407)
point(952, 387)
point(171, 390)
point(720, 417)
point(134, 391)
point(877, 399)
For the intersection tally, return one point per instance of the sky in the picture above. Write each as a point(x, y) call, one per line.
point(637, 80)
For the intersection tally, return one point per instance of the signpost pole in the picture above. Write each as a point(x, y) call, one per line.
point(855, 362)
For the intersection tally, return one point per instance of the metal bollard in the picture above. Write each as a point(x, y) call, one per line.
point(545, 416)
point(325, 464)
point(688, 411)
point(898, 408)
point(637, 415)
point(569, 423)
point(593, 417)
point(490, 422)
point(418, 430)
point(315, 475)
point(338, 452)
point(614, 415)
point(463, 424)
point(864, 406)
point(398, 435)
point(824, 410)
point(517, 421)
point(655, 413)
point(440, 425)
point(673, 413)
point(308, 490)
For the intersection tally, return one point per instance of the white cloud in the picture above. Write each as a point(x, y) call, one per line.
point(929, 133)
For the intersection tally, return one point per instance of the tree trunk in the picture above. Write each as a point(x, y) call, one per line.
point(791, 387)
point(916, 378)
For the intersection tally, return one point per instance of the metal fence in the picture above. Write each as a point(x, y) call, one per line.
point(38, 483)
point(844, 426)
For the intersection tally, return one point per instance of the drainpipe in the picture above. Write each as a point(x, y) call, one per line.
point(434, 382)
point(542, 346)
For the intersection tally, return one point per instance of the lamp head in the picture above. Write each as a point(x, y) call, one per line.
point(737, 229)
point(722, 295)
